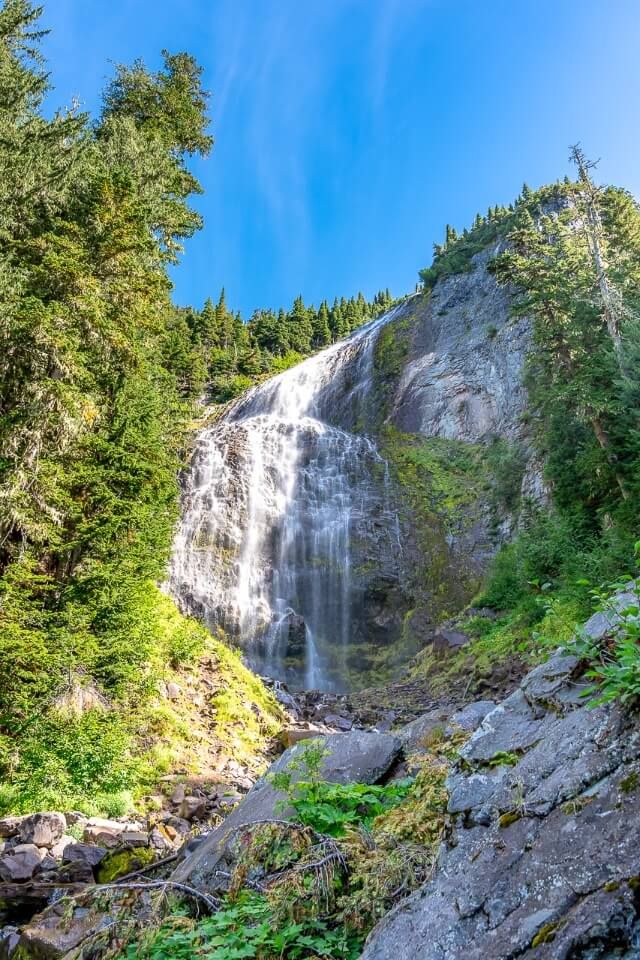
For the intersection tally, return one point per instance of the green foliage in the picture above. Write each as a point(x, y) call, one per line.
point(98, 377)
point(584, 400)
point(242, 930)
point(614, 661)
point(330, 808)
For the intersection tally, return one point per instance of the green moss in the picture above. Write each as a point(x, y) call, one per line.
point(630, 783)
point(122, 862)
point(508, 818)
point(247, 714)
point(504, 759)
point(612, 886)
point(546, 934)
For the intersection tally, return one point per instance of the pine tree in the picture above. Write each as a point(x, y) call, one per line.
point(321, 328)
point(299, 327)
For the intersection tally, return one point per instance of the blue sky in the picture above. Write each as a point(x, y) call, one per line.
point(348, 132)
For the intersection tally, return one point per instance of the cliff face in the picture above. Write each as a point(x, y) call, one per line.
point(462, 377)
point(450, 413)
point(541, 860)
point(337, 512)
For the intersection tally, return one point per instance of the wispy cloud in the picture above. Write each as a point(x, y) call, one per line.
point(276, 68)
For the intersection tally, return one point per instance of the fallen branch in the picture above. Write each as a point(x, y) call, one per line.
point(212, 902)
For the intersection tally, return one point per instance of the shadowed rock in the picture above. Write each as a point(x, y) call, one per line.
point(355, 757)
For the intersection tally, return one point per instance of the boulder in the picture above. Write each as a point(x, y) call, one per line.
point(84, 853)
point(543, 857)
point(338, 722)
point(132, 839)
point(415, 736)
point(289, 736)
point(54, 934)
point(178, 794)
point(355, 757)
point(21, 863)
point(59, 847)
point(43, 829)
point(10, 826)
point(193, 808)
point(106, 832)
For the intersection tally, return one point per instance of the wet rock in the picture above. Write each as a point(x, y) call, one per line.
point(9, 942)
point(358, 756)
point(85, 853)
point(286, 699)
point(43, 829)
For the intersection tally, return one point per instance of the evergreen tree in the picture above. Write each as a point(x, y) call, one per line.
point(321, 328)
point(300, 327)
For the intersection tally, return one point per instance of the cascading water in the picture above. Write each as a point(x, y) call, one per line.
point(279, 507)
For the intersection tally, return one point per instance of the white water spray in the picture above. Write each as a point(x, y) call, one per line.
point(274, 498)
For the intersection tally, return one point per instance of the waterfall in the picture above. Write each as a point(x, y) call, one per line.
point(280, 505)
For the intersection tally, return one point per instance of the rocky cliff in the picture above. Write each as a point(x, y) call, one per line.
point(542, 860)
point(335, 514)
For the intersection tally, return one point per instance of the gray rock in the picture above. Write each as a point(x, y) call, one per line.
point(512, 727)
point(338, 722)
point(469, 718)
point(355, 757)
point(414, 736)
point(61, 845)
point(134, 838)
point(84, 853)
point(193, 808)
point(21, 863)
point(607, 621)
point(43, 829)
point(9, 942)
point(544, 850)
point(10, 826)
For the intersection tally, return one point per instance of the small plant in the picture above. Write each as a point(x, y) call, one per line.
point(332, 807)
point(615, 660)
point(242, 930)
